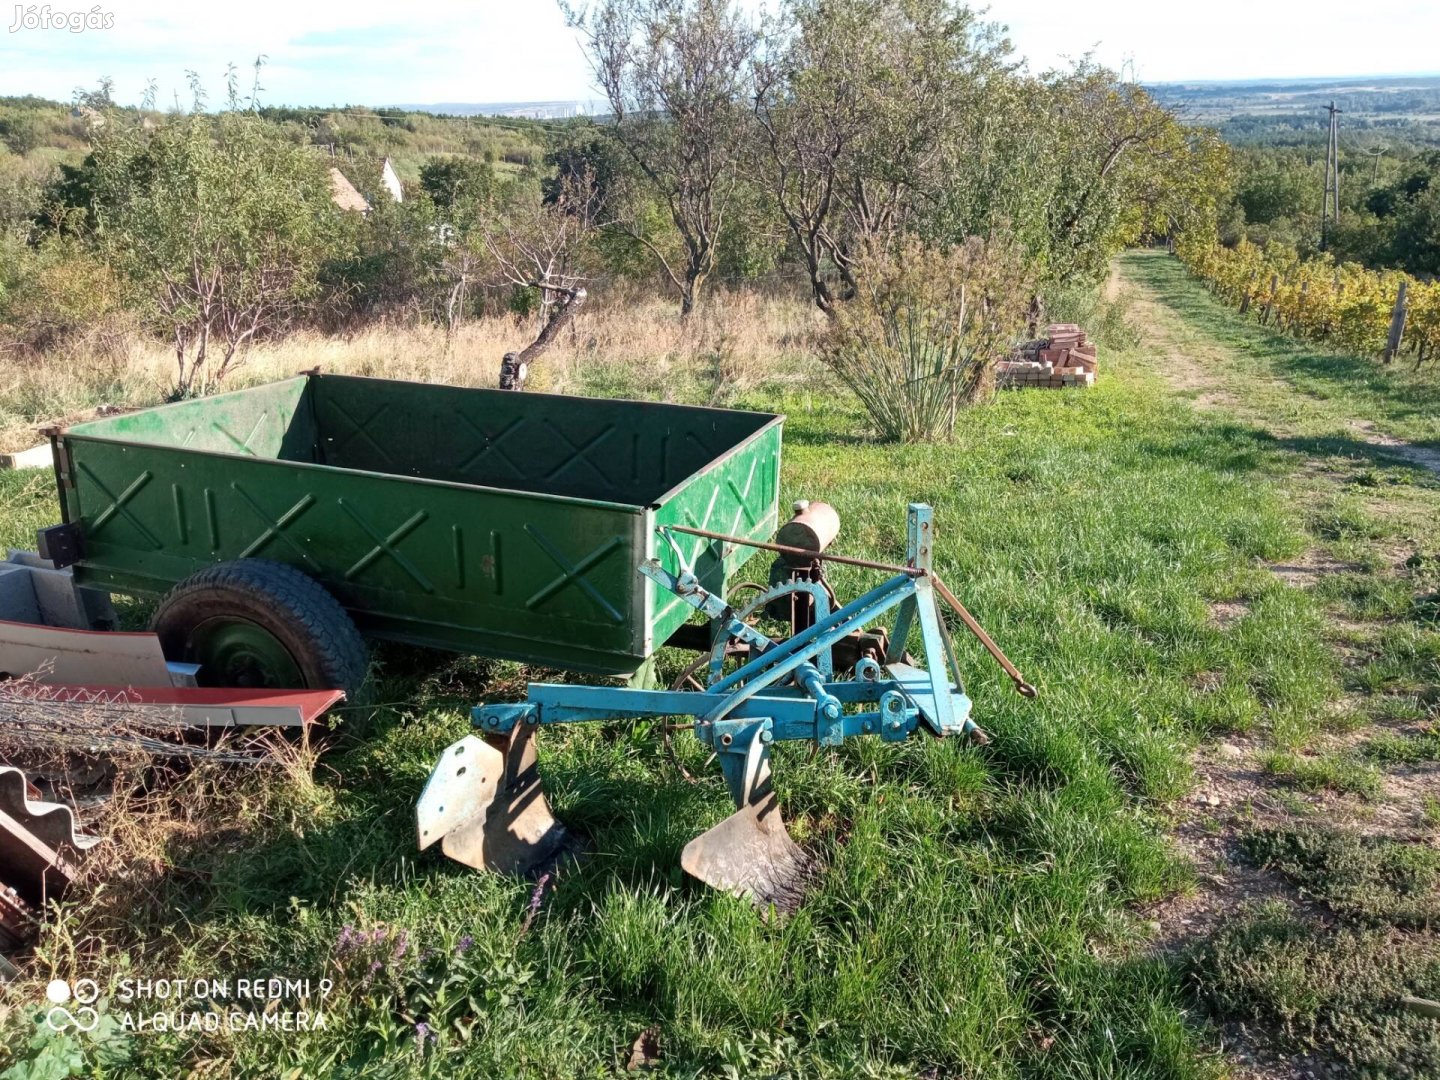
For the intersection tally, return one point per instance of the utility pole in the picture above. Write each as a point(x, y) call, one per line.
point(1375, 173)
point(1330, 208)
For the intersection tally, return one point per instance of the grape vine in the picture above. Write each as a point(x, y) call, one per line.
point(1318, 299)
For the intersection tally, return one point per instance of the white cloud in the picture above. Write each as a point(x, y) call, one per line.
point(508, 50)
point(1230, 39)
point(317, 53)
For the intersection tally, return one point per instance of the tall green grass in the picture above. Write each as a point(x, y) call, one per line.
point(974, 915)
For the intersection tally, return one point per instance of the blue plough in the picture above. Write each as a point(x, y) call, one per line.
point(484, 801)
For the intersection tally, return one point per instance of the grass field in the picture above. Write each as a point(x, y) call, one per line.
point(983, 912)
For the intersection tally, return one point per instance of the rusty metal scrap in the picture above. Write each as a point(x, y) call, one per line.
point(40, 848)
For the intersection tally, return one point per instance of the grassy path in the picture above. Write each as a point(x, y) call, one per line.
point(1316, 837)
point(1225, 609)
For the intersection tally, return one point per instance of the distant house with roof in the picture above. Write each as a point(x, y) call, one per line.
point(344, 194)
point(93, 119)
point(391, 182)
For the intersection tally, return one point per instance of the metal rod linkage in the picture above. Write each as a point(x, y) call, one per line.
point(908, 571)
point(972, 624)
point(1024, 688)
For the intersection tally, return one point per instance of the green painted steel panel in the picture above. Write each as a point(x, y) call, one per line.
point(480, 521)
point(737, 494)
point(265, 421)
point(590, 448)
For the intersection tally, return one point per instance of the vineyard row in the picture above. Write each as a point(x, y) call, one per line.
point(1339, 304)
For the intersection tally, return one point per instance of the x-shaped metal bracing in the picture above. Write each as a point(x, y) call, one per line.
point(276, 526)
point(117, 504)
point(573, 573)
point(362, 429)
point(579, 450)
point(491, 444)
point(385, 545)
point(244, 444)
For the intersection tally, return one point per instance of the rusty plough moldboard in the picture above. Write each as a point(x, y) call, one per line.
point(484, 802)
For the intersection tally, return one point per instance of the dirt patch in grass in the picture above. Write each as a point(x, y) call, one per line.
point(1233, 791)
point(1422, 457)
point(1309, 568)
point(1226, 613)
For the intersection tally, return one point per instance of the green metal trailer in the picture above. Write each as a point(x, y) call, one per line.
point(480, 521)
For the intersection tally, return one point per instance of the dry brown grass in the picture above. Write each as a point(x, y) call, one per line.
point(155, 817)
point(621, 345)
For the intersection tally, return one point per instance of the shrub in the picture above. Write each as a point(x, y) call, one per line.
point(66, 292)
point(59, 298)
point(920, 338)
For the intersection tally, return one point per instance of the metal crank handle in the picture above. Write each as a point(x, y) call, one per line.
point(1023, 688)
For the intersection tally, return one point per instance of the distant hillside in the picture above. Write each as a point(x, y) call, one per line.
point(1384, 108)
point(528, 110)
point(46, 132)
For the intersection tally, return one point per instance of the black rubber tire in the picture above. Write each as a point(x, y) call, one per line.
point(292, 607)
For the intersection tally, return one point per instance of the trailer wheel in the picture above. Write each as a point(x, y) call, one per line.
point(256, 624)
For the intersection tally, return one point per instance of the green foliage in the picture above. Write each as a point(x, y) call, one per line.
point(1332, 990)
point(387, 263)
point(875, 117)
point(1122, 169)
point(55, 292)
point(1404, 749)
point(579, 155)
point(1390, 209)
point(1415, 243)
point(1325, 772)
point(220, 228)
point(1269, 190)
point(675, 73)
point(455, 184)
point(1104, 318)
point(60, 1055)
point(920, 339)
point(1341, 304)
point(20, 133)
point(1364, 878)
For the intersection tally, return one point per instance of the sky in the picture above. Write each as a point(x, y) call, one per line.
point(365, 52)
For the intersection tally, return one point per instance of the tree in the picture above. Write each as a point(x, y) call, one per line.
point(676, 73)
point(586, 157)
point(536, 240)
point(857, 103)
point(19, 132)
point(1273, 188)
point(219, 225)
point(1112, 144)
point(1415, 245)
point(452, 182)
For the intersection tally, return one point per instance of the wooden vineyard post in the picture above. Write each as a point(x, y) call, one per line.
point(1397, 325)
point(1270, 301)
point(1249, 292)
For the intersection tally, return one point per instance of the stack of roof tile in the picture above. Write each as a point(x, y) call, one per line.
point(1063, 357)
